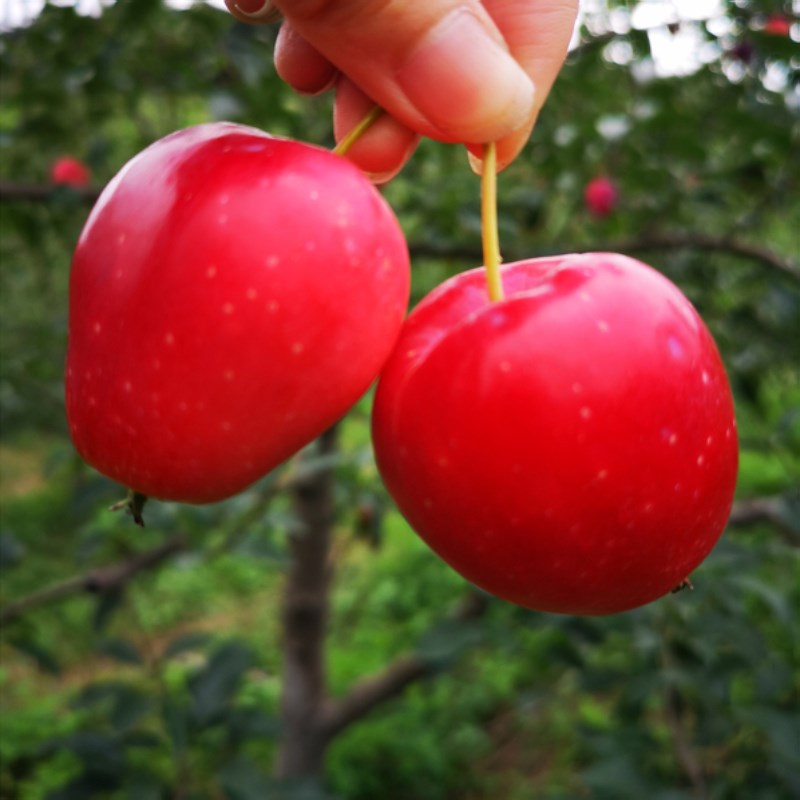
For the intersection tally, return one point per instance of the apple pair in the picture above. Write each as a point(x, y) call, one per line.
point(571, 448)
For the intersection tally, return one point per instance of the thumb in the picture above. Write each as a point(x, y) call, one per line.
point(441, 68)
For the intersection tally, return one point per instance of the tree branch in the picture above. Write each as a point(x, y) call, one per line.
point(704, 242)
point(96, 581)
point(372, 691)
point(676, 722)
point(39, 192)
point(305, 615)
point(763, 509)
point(678, 241)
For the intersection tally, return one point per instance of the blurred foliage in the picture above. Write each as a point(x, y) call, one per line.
point(171, 688)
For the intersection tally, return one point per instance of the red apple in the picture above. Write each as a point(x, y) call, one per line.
point(778, 25)
point(232, 295)
point(600, 196)
point(571, 448)
point(70, 172)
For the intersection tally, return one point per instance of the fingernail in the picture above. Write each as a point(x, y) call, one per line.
point(465, 82)
point(475, 163)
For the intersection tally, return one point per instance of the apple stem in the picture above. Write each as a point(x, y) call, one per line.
point(358, 131)
point(489, 234)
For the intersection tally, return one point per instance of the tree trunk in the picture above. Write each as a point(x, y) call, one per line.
point(305, 617)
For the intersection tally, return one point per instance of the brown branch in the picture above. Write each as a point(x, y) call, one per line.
point(41, 192)
point(305, 616)
point(703, 242)
point(676, 722)
point(763, 509)
point(688, 241)
point(96, 581)
point(374, 690)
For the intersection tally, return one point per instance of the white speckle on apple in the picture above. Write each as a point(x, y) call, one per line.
point(577, 388)
point(183, 406)
point(228, 308)
point(222, 219)
point(127, 386)
point(585, 297)
point(224, 199)
point(602, 474)
point(602, 326)
point(410, 353)
point(156, 363)
point(229, 374)
point(97, 327)
point(505, 366)
point(169, 338)
point(706, 378)
point(211, 272)
point(310, 246)
point(226, 426)
point(297, 348)
point(675, 347)
point(700, 461)
point(586, 412)
point(251, 294)
point(272, 261)
point(121, 238)
point(273, 306)
point(313, 194)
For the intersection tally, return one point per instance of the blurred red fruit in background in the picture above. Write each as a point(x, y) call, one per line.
point(600, 197)
point(778, 25)
point(69, 171)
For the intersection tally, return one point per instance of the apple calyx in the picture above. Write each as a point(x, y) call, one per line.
point(134, 504)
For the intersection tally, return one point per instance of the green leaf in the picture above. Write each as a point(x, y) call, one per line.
point(11, 551)
point(213, 687)
point(42, 656)
point(251, 723)
point(241, 779)
point(188, 642)
point(177, 724)
point(120, 649)
point(444, 643)
point(107, 605)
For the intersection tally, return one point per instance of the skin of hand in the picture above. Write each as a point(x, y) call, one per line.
point(468, 72)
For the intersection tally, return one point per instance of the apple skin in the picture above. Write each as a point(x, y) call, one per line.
point(571, 448)
point(232, 295)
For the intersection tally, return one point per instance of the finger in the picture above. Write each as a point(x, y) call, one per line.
point(303, 67)
point(387, 144)
point(442, 69)
point(254, 12)
point(538, 33)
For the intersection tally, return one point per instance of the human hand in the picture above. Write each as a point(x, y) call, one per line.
point(470, 72)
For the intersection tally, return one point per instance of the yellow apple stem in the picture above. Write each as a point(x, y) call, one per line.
point(489, 235)
point(358, 131)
